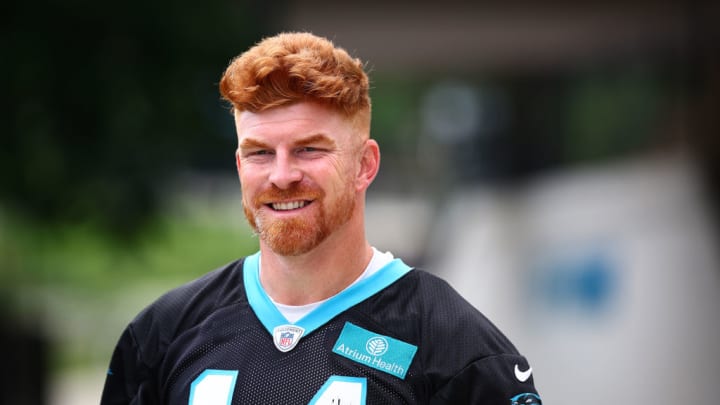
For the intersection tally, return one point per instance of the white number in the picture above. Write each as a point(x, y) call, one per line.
point(213, 387)
point(339, 390)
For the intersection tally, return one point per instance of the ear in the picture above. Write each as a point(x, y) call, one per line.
point(369, 165)
point(237, 160)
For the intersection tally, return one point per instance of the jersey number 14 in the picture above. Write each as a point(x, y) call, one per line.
point(216, 387)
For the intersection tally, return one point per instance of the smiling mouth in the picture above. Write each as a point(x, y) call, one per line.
point(289, 205)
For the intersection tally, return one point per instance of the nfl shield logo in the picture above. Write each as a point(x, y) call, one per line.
point(286, 337)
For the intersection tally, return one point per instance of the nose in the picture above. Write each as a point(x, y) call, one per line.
point(284, 172)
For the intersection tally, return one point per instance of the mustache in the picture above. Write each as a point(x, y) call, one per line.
point(294, 192)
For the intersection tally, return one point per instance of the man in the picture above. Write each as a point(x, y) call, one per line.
point(318, 315)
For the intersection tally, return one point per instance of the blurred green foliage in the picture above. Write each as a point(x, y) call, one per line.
point(610, 114)
point(83, 257)
point(104, 101)
point(80, 286)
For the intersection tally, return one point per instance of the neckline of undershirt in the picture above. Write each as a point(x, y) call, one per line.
point(295, 312)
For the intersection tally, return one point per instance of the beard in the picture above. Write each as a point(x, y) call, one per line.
point(300, 234)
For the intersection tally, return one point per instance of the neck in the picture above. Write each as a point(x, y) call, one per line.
point(319, 274)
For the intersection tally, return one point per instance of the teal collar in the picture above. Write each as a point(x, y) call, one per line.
point(271, 318)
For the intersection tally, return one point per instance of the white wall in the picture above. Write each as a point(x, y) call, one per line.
point(607, 279)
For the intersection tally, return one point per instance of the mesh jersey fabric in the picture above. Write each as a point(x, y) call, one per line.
point(208, 324)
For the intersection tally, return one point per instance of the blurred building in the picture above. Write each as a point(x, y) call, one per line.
point(607, 278)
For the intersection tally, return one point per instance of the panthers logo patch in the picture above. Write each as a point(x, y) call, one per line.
point(525, 399)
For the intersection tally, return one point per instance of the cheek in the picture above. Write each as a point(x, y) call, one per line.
point(248, 187)
point(340, 178)
point(248, 178)
point(344, 169)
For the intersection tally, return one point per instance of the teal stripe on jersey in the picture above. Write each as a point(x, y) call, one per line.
point(271, 317)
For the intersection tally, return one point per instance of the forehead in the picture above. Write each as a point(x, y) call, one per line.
point(295, 120)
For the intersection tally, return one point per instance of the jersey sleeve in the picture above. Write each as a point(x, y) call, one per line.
point(501, 379)
point(133, 376)
point(128, 380)
point(466, 357)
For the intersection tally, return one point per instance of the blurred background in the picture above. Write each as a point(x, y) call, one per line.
point(557, 163)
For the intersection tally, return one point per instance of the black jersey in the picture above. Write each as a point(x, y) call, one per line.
point(400, 336)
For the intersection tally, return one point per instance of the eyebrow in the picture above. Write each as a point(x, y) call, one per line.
point(249, 143)
point(317, 138)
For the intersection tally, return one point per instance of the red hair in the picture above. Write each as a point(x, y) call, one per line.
point(293, 67)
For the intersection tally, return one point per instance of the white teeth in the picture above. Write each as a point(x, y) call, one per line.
point(285, 206)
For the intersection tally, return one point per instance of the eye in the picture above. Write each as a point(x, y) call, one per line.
point(258, 152)
point(257, 155)
point(309, 150)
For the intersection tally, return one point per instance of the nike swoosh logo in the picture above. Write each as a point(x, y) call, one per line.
point(522, 376)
